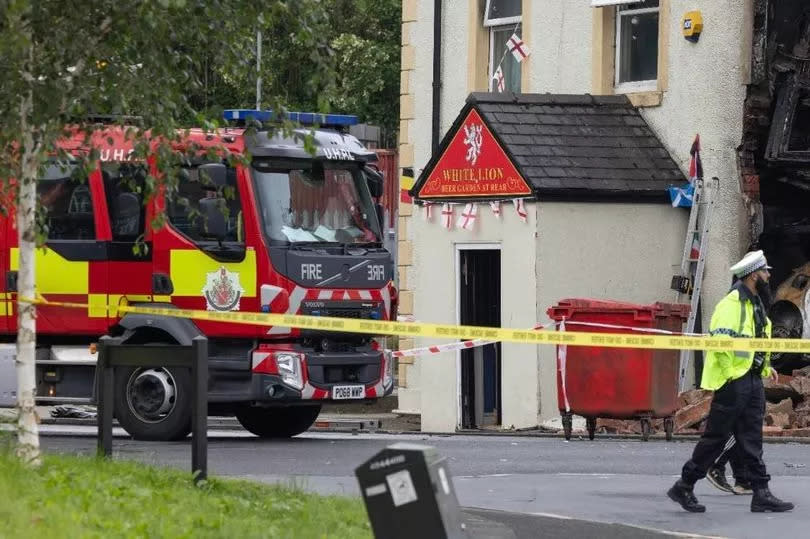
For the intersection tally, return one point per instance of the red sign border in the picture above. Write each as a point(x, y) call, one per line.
point(445, 147)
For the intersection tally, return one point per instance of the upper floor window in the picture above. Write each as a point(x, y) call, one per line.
point(637, 45)
point(503, 18)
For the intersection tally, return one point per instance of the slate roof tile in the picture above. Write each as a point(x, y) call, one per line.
point(579, 144)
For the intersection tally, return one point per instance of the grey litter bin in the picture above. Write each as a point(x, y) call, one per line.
point(408, 493)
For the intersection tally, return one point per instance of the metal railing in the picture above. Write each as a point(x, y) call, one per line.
point(113, 354)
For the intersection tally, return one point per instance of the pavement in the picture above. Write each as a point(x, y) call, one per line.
point(507, 486)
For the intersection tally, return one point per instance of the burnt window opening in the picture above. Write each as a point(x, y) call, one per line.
point(789, 138)
point(799, 139)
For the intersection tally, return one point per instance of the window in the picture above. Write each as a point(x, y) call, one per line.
point(184, 211)
point(124, 186)
point(637, 45)
point(66, 203)
point(503, 18)
point(299, 203)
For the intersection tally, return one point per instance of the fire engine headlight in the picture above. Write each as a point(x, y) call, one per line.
point(290, 369)
point(388, 370)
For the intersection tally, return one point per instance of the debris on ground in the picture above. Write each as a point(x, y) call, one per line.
point(73, 412)
point(787, 411)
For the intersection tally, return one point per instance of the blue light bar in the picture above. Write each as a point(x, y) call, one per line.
point(303, 118)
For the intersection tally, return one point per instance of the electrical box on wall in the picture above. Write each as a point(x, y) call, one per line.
point(692, 25)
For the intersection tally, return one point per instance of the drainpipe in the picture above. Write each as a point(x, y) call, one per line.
point(437, 71)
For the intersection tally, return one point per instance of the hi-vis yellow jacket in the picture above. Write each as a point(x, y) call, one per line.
point(734, 317)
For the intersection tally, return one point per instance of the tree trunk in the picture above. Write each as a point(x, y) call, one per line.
point(28, 421)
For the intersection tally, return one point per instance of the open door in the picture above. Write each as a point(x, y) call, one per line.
point(479, 293)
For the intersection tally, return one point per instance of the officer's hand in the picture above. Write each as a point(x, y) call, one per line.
point(773, 375)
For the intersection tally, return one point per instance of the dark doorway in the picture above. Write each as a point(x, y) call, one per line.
point(480, 305)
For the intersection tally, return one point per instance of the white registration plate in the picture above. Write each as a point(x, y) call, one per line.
point(348, 392)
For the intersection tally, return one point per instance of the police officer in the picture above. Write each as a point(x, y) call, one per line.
point(738, 404)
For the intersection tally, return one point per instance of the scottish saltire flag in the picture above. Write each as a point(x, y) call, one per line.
point(682, 196)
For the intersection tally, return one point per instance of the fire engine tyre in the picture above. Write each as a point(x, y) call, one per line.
point(154, 403)
point(278, 422)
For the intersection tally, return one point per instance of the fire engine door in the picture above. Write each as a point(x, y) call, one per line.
point(6, 304)
point(72, 267)
point(209, 267)
point(128, 266)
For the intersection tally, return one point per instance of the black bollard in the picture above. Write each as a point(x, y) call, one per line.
point(408, 493)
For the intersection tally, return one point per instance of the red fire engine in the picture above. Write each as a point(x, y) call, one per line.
point(301, 234)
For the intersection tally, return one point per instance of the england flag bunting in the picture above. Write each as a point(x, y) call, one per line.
point(500, 82)
point(496, 208)
point(447, 215)
point(467, 218)
point(521, 211)
point(517, 47)
point(427, 210)
point(695, 165)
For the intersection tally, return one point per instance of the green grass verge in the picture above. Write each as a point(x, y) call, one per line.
point(86, 497)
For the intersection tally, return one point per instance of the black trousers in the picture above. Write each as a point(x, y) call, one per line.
point(737, 408)
point(731, 453)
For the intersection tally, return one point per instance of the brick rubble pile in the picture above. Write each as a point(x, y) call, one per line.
point(787, 411)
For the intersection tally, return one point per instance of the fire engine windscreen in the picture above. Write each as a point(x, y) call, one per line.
point(320, 202)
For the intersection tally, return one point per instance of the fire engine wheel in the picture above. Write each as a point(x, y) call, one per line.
point(277, 422)
point(154, 403)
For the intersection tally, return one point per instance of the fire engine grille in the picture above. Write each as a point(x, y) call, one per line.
point(344, 309)
point(345, 313)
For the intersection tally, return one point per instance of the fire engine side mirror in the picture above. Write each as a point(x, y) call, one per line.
point(375, 181)
point(213, 174)
point(211, 223)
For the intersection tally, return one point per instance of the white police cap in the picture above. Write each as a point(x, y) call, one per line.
point(751, 262)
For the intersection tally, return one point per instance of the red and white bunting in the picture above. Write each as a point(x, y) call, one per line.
point(427, 210)
point(500, 81)
point(495, 205)
point(449, 347)
point(447, 215)
point(517, 47)
point(521, 210)
point(467, 218)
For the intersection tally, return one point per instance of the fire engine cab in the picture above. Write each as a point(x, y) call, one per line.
point(290, 232)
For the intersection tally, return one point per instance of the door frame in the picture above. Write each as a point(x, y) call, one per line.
point(482, 246)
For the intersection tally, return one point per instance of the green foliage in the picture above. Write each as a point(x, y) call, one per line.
point(86, 497)
point(360, 39)
point(145, 62)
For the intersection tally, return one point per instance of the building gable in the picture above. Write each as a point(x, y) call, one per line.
point(565, 146)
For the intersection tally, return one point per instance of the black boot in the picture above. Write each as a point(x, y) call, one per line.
point(763, 501)
point(684, 494)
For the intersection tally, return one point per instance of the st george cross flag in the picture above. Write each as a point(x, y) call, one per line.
point(517, 47)
point(447, 215)
point(695, 165)
point(682, 196)
point(428, 208)
point(500, 82)
point(467, 218)
point(496, 208)
point(521, 210)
